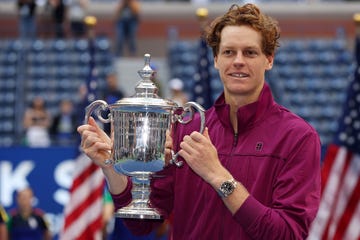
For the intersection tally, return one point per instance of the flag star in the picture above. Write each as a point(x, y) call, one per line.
point(204, 62)
point(347, 120)
point(342, 136)
point(202, 92)
point(197, 77)
point(200, 100)
point(353, 113)
point(356, 87)
point(357, 124)
point(198, 89)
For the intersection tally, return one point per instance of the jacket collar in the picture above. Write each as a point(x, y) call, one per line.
point(248, 115)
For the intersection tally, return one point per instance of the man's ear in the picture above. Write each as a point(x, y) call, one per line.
point(215, 62)
point(270, 60)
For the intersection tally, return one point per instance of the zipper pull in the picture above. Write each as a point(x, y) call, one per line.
point(235, 139)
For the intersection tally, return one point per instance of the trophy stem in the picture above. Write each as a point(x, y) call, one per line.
point(139, 207)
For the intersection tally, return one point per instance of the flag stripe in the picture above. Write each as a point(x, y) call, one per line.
point(329, 191)
point(350, 206)
point(330, 157)
point(88, 171)
point(94, 229)
point(80, 193)
point(341, 172)
point(353, 228)
point(75, 213)
point(88, 218)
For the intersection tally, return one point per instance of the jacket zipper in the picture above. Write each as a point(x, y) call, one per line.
point(234, 145)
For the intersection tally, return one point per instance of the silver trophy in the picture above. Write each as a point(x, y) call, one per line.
point(138, 130)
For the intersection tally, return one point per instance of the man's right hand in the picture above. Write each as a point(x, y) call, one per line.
point(95, 143)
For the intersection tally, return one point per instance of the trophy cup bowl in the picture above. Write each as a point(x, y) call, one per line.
point(138, 132)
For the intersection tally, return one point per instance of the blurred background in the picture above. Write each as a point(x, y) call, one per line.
point(46, 55)
point(312, 68)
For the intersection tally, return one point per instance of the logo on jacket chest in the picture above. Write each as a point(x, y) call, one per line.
point(259, 146)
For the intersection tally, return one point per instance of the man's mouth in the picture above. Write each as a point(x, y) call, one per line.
point(239, 75)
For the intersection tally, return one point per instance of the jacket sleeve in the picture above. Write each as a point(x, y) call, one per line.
point(296, 196)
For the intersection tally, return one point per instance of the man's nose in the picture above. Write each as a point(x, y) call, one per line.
point(239, 59)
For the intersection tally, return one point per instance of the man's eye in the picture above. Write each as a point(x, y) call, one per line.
point(227, 52)
point(250, 53)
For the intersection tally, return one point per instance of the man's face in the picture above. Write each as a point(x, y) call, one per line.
point(241, 63)
point(25, 199)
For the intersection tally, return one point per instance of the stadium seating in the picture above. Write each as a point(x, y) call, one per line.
point(310, 77)
point(53, 69)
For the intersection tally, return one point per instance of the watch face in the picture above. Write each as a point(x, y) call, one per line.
point(227, 187)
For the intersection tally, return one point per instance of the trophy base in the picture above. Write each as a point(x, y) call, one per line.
point(138, 213)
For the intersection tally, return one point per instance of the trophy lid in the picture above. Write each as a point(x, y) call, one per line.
point(146, 91)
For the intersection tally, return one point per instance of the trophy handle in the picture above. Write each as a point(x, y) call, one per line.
point(96, 107)
point(188, 107)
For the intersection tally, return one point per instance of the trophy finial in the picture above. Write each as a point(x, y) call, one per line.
point(147, 71)
point(147, 58)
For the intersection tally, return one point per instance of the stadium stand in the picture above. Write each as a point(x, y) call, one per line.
point(310, 75)
point(53, 69)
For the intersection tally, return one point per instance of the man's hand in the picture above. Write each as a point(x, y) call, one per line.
point(95, 143)
point(201, 155)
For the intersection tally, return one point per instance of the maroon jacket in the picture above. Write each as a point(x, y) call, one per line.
point(276, 156)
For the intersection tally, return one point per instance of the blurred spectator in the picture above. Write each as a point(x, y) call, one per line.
point(112, 94)
point(127, 20)
point(27, 19)
point(64, 124)
point(37, 121)
point(178, 95)
point(58, 14)
point(3, 222)
point(76, 16)
point(44, 23)
point(27, 222)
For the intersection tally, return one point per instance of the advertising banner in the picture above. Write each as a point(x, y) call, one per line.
point(48, 171)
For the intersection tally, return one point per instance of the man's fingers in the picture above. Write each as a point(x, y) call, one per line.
point(99, 130)
point(206, 133)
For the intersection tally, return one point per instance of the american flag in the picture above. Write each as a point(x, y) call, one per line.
point(339, 213)
point(202, 92)
point(83, 213)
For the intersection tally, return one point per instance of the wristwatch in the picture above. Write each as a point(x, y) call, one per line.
point(227, 188)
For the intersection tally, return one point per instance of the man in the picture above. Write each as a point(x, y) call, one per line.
point(27, 19)
point(63, 127)
point(255, 171)
point(25, 221)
